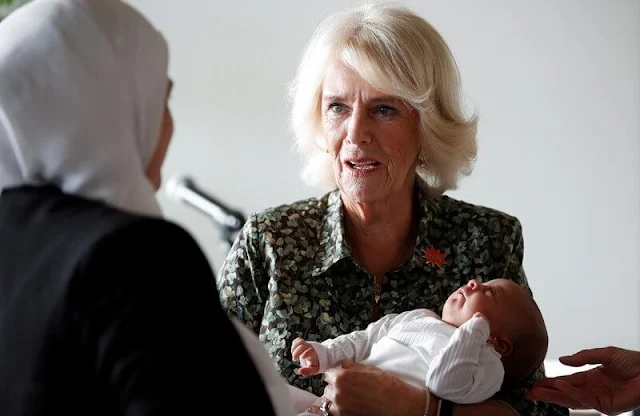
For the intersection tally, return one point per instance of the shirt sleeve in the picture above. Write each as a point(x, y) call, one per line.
point(467, 370)
point(356, 345)
point(242, 281)
point(274, 383)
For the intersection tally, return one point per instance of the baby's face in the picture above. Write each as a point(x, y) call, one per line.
point(496, 299)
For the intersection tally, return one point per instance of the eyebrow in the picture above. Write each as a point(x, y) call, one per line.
point(496, 290)
point(380, 99)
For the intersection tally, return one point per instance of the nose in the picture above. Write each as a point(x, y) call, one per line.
point(473, 284)
point(360, 129)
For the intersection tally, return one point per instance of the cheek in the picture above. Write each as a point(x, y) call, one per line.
point(402, 158)
point(400, 146)
point(409, 152)
point(168, 123)
point(448, 307)
point(471, 306)
point(483, 306)
point(334, 136)
point(165, 138)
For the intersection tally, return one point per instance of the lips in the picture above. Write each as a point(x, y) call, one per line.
point(362, 164)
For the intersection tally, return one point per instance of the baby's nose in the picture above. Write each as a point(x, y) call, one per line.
point(473, 284)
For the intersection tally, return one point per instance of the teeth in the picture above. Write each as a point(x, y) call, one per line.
point(360, 164)
point(364, 166)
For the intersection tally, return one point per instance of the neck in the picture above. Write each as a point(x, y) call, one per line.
point(380, 234)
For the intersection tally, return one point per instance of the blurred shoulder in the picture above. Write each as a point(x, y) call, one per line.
point(144, 252)
point(142, 232)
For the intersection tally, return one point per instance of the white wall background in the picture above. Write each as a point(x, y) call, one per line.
point(557, 84)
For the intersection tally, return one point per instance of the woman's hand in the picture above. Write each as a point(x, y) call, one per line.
point(611, 388)
point(356, 389)
point(302, 351)
point(361, 390)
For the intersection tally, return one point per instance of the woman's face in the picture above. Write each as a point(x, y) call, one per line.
point(372, 138)
point(154, 168)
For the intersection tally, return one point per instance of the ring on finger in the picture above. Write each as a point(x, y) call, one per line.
point(325, 408)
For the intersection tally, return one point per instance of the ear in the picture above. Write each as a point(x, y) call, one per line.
point(503, 345)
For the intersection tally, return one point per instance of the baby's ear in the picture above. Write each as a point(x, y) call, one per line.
point(503, 345)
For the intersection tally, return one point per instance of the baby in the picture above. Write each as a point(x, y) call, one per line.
point(490, 334)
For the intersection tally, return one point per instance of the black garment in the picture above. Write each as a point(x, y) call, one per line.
point(108, 313)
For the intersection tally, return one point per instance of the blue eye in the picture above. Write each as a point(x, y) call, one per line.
point(385, 110)
point(336, 108)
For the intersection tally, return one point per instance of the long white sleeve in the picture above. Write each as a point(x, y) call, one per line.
point(467, 370)
point(275, 385)
point(356, 345)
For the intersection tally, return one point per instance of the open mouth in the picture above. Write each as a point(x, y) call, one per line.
point(363, 165)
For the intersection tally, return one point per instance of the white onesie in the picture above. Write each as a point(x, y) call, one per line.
point(455, 364)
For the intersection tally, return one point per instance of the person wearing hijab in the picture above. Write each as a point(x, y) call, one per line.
point(105, 307)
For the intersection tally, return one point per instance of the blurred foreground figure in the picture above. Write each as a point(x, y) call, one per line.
point(105, 308)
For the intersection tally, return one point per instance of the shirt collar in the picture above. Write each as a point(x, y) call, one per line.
point(336, 247)
point(332, 237)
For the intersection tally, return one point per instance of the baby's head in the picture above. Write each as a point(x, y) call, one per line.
point(518, 331)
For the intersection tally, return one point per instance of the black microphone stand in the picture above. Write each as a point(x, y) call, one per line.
point(227, 228)
point(227, 236)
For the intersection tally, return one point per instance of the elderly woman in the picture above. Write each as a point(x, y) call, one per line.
point(105, 308)
point(377, 115)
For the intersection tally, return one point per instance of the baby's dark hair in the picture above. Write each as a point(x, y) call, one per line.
point(530, 343)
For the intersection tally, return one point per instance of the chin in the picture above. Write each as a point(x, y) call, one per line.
point(361, 193)
point(445, 311)
point(452, 312)
point(362, 199)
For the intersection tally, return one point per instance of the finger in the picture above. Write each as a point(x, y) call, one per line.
point(296, 351)
point(310, 357)
point(590, 356)
point(332, 409)
point(331, 374)
point(296, 343)
point(544, 383)
point(575, 379)
point(552, 395)
point(313, 409)
point(303, 351)
point(355, 366)
point(576, 394)
point(308, 371)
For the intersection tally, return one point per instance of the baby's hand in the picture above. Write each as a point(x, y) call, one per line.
point(480, 315)
point(303, 351)
point(492, 338)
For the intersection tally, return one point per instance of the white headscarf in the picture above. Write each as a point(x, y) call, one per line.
point(82, 93)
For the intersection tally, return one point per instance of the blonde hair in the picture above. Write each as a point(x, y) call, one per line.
point(400, 54)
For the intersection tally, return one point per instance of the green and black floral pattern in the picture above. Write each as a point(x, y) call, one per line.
point(290, 273)
point(9, 6)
